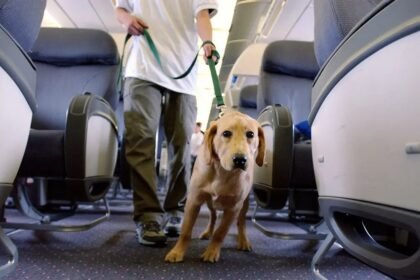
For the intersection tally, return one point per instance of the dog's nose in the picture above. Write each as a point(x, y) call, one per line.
point(239, 161)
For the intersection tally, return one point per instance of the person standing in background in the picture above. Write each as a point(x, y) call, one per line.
point(196, 141)
point(149, 94)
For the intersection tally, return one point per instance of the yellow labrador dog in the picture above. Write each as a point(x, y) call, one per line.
point(222, 177)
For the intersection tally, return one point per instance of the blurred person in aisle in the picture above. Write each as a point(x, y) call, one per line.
point(196, 141)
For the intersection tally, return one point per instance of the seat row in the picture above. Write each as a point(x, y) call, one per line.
point(58, 124)
point(357, 168)
point(340, 112)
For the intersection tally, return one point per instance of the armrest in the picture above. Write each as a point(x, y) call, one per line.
point(272, 180)
point(83, 108)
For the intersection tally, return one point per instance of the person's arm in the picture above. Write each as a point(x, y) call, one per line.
point(133, 24)
point(205, 31)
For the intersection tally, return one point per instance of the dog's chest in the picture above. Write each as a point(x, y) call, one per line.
point(221, 202)
point(225, 196)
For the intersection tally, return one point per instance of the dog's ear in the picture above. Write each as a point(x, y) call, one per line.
point(261, 147)
point(209, 152)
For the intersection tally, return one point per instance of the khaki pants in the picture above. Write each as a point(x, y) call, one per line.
point(144, 104)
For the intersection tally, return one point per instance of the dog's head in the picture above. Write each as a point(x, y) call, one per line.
point(235, 140)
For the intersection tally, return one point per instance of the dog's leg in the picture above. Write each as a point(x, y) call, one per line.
point(207, 233)
point(177, 253)
point(212, 252)
point(243, 241)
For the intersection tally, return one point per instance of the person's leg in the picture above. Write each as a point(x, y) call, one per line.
point(142, 110)
point(180, 112)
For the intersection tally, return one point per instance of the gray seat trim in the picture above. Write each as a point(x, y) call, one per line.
point(386, 24)
point(14, 60)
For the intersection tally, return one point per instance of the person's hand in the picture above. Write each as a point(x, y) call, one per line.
point(134, 25)
point(208, 49)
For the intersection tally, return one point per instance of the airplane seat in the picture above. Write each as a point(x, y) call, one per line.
point(365, 141)
point(283, 100)
point(248, 101)
point(73, 143)
point(19, 26)
point(287, 72)
point(68, 61)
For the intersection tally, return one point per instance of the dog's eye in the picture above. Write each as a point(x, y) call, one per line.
point(250, 134)
point(227, 133)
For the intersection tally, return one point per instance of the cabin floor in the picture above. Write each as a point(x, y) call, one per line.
point(110, 251)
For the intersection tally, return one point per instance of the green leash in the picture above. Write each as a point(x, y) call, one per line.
point(211, 63)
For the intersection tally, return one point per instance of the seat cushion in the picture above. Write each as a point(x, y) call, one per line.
point(287, 71)
point(292, 92)
point(57, 85)
point(44, 155)
point(248, 96)
point(293, 58)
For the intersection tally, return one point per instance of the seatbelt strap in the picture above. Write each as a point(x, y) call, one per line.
point(211, 63)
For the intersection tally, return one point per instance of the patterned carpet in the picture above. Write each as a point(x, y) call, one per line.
point(110, 251)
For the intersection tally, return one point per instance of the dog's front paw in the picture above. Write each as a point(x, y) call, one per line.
point(174, 256)
point(244, 244)
point(211, 255)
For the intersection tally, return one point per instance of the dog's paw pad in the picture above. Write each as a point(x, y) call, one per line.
point(174, 257)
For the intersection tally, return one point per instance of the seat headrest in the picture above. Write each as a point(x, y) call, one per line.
point(294, 58)
point(22, 19)
point(67, 46)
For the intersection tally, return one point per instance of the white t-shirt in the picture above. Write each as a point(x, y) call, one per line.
point(196, 141)
point(173, 29)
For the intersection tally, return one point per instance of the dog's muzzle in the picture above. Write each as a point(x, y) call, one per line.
point(239, 161)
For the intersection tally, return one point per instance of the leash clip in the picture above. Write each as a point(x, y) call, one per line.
point(222, 109)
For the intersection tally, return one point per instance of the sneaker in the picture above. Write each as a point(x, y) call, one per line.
point(173, 226)
point(150, 234)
